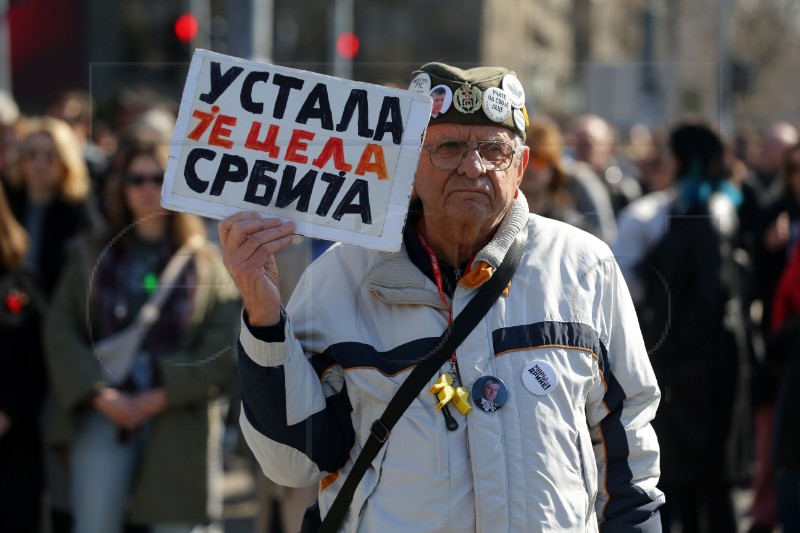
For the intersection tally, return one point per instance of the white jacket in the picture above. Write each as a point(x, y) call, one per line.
point(582, 456)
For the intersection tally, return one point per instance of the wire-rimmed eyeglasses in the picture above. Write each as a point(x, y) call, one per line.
point(448, 154)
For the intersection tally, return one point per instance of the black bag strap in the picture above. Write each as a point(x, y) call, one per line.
point(432, 362)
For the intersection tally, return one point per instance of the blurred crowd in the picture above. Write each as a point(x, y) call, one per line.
point(704, 228)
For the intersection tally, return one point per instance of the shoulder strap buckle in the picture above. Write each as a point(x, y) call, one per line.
point(379, 431)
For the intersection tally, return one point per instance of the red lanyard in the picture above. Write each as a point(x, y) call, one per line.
point(437, 274)
point(437, 277)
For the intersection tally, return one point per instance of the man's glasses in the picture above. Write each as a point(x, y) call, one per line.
point(137, 180)
point(448, 154)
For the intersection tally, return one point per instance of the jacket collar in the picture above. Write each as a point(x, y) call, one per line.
point(394, 279)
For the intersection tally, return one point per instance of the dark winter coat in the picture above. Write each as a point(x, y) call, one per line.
point(63, 220)
point(693, 327)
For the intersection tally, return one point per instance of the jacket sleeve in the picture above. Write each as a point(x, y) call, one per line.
point(75, 374)
point(630, 248)
point(194, 374)
point(619, 414)
point(295, 410)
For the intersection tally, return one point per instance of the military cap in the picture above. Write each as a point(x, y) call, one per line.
point(486, 96)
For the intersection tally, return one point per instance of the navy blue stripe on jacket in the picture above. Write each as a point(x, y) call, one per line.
point(360, 355)
point(629, 508)
point(264, 398)
point(325, 437)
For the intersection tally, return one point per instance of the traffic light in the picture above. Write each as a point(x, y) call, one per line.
point(347, 45)
point(186, 28)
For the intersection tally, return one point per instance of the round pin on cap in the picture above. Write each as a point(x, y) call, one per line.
point(513, 88)
point(539, 377)
point(519, 119)
point(442, 98)
point(496, 104)
point(421, 84)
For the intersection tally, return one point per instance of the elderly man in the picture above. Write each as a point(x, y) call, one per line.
point(571, 448)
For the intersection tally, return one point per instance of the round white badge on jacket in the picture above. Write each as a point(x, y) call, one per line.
point(539, 377)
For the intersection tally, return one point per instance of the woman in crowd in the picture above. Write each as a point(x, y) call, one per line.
point(691, 322)
point(544, 183)
point(143, 445)
point(22, 381)
point(50, 195)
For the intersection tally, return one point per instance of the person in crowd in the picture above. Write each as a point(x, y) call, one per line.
point(545, 182)
point(22, 382)
point(592, 200)
point(766, 178)
point(691, 320)
point(316, 375)
point(777, 233)
point(640, 227)
point(784, 361)
point(779, 230)
point(142, 446)
point(50, 195)
point(10, 119)
point(75, 107)
point(595, 144)
point(653, 163)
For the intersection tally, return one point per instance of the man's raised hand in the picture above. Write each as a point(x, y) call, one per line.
point(249, 244)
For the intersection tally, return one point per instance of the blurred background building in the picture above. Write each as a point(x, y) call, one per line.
point(633, 61)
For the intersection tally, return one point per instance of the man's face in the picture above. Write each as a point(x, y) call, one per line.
point(468, 194)
point(490, 391)
point(438, 102)
point(593, 143)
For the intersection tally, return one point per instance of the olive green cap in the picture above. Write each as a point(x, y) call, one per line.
point(484, 96)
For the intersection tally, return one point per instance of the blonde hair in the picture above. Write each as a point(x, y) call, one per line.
point(75, 184)
point(13, 237)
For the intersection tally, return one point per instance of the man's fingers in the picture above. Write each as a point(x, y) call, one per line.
point(225, 225)
point(240, 230)
point(265, 250)
point(233, 227)
point(258, 239)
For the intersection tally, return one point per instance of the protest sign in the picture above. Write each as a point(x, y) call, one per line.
point(335, 156)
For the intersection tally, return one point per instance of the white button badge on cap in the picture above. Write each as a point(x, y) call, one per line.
point(496, 104)
point(514, 90)
point(421, 84)
point(519, 120)
point(539, 377)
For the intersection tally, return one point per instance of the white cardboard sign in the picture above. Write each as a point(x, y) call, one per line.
point(336, 156)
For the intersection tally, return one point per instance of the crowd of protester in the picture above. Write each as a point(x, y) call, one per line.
point(705, 231)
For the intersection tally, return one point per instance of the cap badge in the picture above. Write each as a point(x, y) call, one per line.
point(467, 99)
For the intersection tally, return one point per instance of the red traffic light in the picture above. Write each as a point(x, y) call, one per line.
point(347, 45)
point(186, 28)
